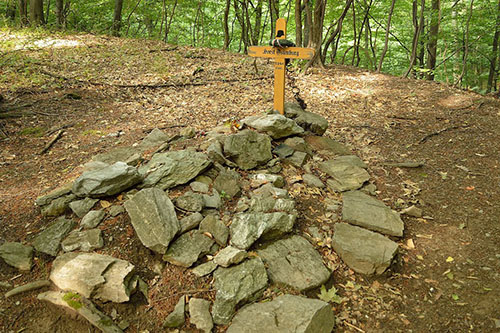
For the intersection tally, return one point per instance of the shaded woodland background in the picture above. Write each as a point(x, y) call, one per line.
point(450, 41)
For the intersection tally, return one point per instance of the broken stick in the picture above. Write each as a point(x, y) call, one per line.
point(51, 142)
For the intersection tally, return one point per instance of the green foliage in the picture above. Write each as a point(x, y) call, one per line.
point(330, 295)
point(73, 300)
point(32, 131)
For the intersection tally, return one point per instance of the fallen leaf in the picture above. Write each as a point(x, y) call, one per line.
point(105, 204)
point(419, 257)
point(455, 297)
point(461, 226)
point(410, 244)
point(450, 275)
point(470, 188)
point(449, 259)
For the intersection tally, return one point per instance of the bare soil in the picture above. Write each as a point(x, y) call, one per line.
point(111, 92)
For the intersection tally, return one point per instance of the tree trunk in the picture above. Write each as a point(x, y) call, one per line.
point(353, 31)
point(60, 13)
point(336, 32)
point(117, 18)
point(275, 14)
point(494, 53)
point(418, 25)
point(298, 23)
point(466, 46)
point(386, 42)
point(10, 10)
point(226, 25)
point(23, 12)
point(168, 21)
point(433, 38)
point(258, 23)
point(317, 33)
point(308, 23)
point(36, 13)
point(363, 24)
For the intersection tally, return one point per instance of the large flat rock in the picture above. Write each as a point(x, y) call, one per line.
point(246, 228)
point(154, 219)
point(285, 314)
point(49, 240)
point(237, 285)
point(17, 255)
point(346, 174)
point(365, 211)
point(274, 125)
point(248, 149)
point(323, 143)
point(107, 181)
point(188, 248)
point(167, 170)
point(294, 262)
point(362, 250)
point(307, 120)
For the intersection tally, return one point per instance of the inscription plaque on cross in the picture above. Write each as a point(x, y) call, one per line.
point(280, 54)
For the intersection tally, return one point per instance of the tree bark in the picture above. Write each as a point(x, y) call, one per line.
point(226, 25)
point(308, 23)
point(493, 61)
point(418, 25)
point(10, 10)
point(275, 14)
point(466, 46)
point(298, 23)
point(317, 33)
point(386, 42)
point(117, 18)
point(433, 38)
point(258, 23)
point(60, 13)
point(336, 32)
point(36, 13)
point(23, 12)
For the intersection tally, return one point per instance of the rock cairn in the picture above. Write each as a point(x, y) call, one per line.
point(247, 249)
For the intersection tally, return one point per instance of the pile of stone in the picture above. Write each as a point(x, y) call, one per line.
point(246, 249)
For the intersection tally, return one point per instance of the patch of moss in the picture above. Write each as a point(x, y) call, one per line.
point(92, 132)
point(73, 300)
point(106, 321)
point(33, 131)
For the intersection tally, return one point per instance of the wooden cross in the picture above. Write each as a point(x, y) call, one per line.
point(280, 54)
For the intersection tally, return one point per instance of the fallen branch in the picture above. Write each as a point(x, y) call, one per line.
point(52, 131)
point(430, 135)
point(168, 49)
point(51, 142)
point(408, 164)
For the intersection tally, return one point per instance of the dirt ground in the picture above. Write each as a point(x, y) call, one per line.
point(104, 93)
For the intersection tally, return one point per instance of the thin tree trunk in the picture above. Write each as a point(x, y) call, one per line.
point(258, 23)
point(226, 25)
point(337, 31)
point(308, 23)
point(130, 15)
point(418, 24)
point(354, 30)
point(466, 46)
point(117, 18)
point(168, 23)
point(47, 11)
point(36, 13)
point(363, 24)
point(298, 23)
point(10, 10)
point(60, 13)
point(494, 53)
point(275, 14)
point(386, 42)
point(433, 38)
point(317, 34)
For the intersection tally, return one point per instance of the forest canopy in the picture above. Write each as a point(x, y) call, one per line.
point(450, 41)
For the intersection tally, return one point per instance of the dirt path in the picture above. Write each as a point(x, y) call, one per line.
point(447, 276)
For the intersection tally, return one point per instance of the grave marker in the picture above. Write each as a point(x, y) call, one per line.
point(280, 54)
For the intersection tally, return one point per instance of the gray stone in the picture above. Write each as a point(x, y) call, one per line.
point(216, 228)
point(116, 210)
point(169, 169)
point(17, 255)
point(345, 176)
point(299, 144)
point(267, 204)
point(83, 307)
point(352, 160)
point(54, 194)
point(48, 240)
point(154, 219)
point(92, 219)
point(85, 241)
point(91, 274)
point(82, 207)
point(30, 286)
point(128, 155)
point(199, 313)
point(285, 314)
point(230, 256)
point(199, 187)
point(227, 183)
point(188, 132)
point(248, 227)
point(320, 143)
point(212, 201)
point(154, 139)
point(188, 248)
point(412, 211)
point(363, 210)
point(190, 222)
point(214, 152)
point(237, 285)
point(242, 205)
point(297, 159)
point(58, 206)
point(108, 181)
point(283, 150)
point(307, 120)
point(274, 125)
point(369, 189)
point(312, 180)
point(248, 149)
point(362, 250)
point(270, 190)
point(204, 179)
point(204, 269)
point(264, 178)
point(294, 262)
point(176, 318)
point(189, 201)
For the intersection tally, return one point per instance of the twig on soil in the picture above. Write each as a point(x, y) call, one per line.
point(352, 326)
point(407, 164)
point(52, 131)
point(168, 49)
point(51, 142)
point(425, 138)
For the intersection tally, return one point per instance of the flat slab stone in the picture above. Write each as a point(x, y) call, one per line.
point(92, 219)
point(190, 222)
point(17, 255)
point(54, 194)
point(48, 240)
point(58, 206)
point(319, 143)
point(227, 183)
point(285, 314)
point(307, 120)
point(274, 125)
point(345, 176)
point(107, 181)
point(86, 240)
point(188, 248)
point(365, 211)
point(199, 313)
point(167, 170)
point(128, 155)
point(294, 262)
point(216, 228)
point(312, 180)
point(364, 251)
point(176, 318)
point(260, 179)
point(93, 275)
point(204, 269)
point(230, 256)
point(237, 285)
point(154, 139)
point(190, 201)
point(246, 228)
point(248, 149)
point(153, 217)
point(82, 207)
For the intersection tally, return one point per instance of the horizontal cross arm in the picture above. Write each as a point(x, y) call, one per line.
point(285, 52)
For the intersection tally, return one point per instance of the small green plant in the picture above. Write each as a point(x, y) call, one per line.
point(32, 131)
point(73, 300)
point(223, 195)
point(330, 295)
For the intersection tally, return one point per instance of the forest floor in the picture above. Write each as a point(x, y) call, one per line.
point(107, 92)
